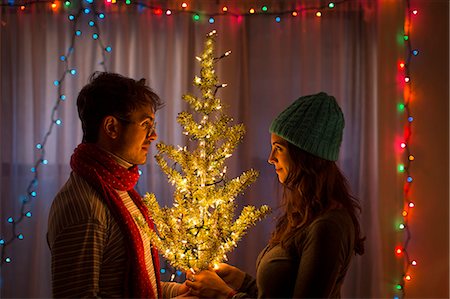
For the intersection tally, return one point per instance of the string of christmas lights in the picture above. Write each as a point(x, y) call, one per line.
point(405, 167)
point(90, 11)
point(184, 8)
point(198, 231)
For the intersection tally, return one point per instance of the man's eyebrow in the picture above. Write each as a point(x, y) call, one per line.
point(152, 118)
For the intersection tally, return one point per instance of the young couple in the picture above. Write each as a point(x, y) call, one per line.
point(99, 251)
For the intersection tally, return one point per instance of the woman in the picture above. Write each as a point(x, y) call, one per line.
point(318, 231)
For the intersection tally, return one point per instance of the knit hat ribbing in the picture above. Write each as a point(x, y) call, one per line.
point(314, 123)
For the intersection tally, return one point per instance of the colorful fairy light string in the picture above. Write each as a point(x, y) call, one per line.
point(198, 16)
point(86, 9)
point(404, 168)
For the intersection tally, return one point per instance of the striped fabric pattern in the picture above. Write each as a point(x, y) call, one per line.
point(88, 249)
point(133, 209)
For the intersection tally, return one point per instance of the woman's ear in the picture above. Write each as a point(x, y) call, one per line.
point(111, 126)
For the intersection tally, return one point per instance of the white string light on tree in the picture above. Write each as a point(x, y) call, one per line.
point(200, 229)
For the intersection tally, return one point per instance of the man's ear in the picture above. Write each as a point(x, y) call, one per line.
point(111, 126)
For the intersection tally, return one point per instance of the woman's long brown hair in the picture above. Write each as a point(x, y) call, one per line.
point(311, 183)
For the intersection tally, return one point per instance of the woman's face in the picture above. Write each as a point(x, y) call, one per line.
point(279, 157)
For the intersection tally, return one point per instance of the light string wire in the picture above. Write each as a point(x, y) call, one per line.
point(405, 168)
point(31, 190)
point(224, 12)
point(227, 12)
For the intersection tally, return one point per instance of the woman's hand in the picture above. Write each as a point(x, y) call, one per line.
point(233, 277)
point(208, 284)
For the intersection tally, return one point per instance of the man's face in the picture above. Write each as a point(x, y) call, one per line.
point(135, 135)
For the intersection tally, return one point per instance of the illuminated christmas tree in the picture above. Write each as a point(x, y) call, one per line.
point(200, 228)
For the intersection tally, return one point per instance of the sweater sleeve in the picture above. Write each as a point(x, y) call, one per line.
point(248, 288)
point(323, 253)
point(169, 289)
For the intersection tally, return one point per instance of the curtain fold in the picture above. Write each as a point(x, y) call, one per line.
point(271, 65)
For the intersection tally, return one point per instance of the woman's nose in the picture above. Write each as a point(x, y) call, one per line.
point(271, 158)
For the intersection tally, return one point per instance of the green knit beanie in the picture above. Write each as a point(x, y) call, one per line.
point(314, 123)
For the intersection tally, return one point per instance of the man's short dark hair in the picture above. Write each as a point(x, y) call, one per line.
point(111, 94)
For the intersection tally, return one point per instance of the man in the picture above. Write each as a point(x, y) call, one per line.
point(97, 248)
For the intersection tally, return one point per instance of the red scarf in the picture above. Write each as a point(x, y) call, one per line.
point(102, 172)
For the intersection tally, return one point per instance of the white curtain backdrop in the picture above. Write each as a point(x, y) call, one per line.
point(271, 65)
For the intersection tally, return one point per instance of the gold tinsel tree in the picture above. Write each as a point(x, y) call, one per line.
point(200, 228)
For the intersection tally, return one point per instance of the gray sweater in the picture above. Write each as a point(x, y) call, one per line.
point(313, 265)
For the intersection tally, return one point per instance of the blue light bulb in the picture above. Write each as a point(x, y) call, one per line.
point(278, 19)
point(108, 49)
point(101, 15)
point(20, 236)
point(28, 214)
point(95, 36)
point(10, 220)
point(91, 23)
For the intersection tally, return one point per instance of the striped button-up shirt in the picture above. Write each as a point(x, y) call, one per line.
point(89, 257)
